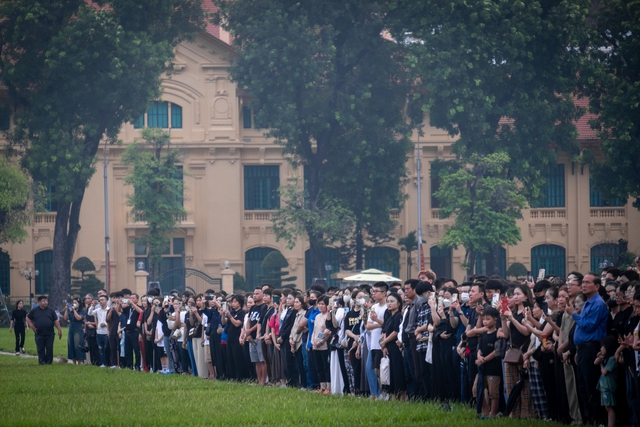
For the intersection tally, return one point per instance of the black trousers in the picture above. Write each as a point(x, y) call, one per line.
point(291, 373)
point(417, 367)
point(588, 376)
point(238, 369)
point(44, 344)
point(132, 348)
point(113, 349)
point(19, 338)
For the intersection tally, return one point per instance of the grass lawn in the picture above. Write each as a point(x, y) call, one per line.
point(8, 342)
point(60, 395)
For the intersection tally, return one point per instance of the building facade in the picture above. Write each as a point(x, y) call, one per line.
point(231, 173)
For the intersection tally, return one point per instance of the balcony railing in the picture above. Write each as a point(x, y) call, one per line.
point(608, 213)
point(547, 213)
point(45, 218)
point(258, 216)
point(141, 218)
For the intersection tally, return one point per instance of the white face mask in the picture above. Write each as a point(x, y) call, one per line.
point(464, 297)
point(361, 301)
point(149, 300)
point(347, 299)
point(75, 305)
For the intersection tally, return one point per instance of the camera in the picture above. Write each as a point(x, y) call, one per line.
point(125, 301)
point(208, 297)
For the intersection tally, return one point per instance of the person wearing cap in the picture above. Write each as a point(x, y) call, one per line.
point(41, 321)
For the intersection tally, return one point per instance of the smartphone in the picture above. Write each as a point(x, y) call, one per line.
point(529, 277)
point(544, 340)
point(276, 299)
point(224, 306)
point(495, 300)
point(454, 297)
point(440, 301)
point(541, 274)
point(505, 304)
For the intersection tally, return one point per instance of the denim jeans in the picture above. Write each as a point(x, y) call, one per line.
point(372, 377)
point(167, 349)
point(102, 347)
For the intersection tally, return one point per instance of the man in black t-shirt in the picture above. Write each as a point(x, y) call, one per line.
point(41, 320)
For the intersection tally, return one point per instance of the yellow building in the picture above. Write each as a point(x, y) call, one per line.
point(231, 172)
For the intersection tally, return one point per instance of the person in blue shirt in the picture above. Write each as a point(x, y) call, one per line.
point(591, 327)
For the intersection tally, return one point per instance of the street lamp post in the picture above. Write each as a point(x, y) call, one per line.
point(30, 274)
point(419, 199)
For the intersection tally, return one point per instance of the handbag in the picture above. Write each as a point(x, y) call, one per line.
point(513, 356)
point(385, 371)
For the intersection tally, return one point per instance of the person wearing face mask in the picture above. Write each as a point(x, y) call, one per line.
point(352, 326)
point(310, 316)
point(75, 314)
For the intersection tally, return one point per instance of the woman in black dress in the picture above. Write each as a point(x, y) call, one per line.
point(18, 324)
point(390, 329)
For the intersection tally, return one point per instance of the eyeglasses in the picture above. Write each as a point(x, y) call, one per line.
point(375, 291)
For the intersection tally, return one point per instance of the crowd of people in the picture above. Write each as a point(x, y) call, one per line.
point(555, 348)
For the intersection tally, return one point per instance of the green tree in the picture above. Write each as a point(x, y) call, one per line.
point(239, 284)
point(517, 269)
point(15, 193)
point(500, 75)
point(75, 72)
point(89, 284)
point(83, 264)
point(158, 188)
point(273, 263)
point(328, 221)
point(408, 244)
point(325, 80)
point(485, 204)
point(614, 97)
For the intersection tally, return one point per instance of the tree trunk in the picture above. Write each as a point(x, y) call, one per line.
point(317, 257)
point(470, 260)
point(359, 249)
point(66, 231)
point(493, 264)
point(64, 242)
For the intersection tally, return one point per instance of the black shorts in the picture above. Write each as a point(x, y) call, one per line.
point(376, 357)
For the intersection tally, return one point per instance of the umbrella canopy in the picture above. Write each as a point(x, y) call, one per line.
point(371, 275)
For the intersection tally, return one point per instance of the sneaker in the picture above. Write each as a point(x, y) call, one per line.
point(113, 367)
point(23, 350)
point(102, 366)
point(17, 353)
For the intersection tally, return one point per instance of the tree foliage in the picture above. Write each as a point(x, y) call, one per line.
point(75, 72)
point(15, 192)
point(500, 75)
point(83, 264)
point(615, 92)
point(484, 202)
point(273, 263)
point(333, 90)
point(408, 244)
point(157, 197)
point(517, 269)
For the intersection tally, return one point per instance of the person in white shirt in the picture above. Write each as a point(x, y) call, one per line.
point(100, 312)
point(374, 328)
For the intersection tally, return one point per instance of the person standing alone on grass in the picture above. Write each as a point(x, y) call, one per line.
point(41, 320)
point(18, 323)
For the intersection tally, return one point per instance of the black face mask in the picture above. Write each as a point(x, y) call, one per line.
point(312, 302)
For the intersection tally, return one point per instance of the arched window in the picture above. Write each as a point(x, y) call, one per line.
point(604, 255)
point(550, 257)
point(161, 114)
point(440, 261)
point(44, 265)
point(384, 259)
point(253, 265)
point(5, 277)
point(332, 265)
point(481, 263)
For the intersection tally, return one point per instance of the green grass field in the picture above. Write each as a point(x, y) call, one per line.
point(67, 395)
point(8, 342)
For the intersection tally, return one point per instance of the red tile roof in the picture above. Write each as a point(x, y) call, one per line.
point(210, 8)
point(582, 124)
